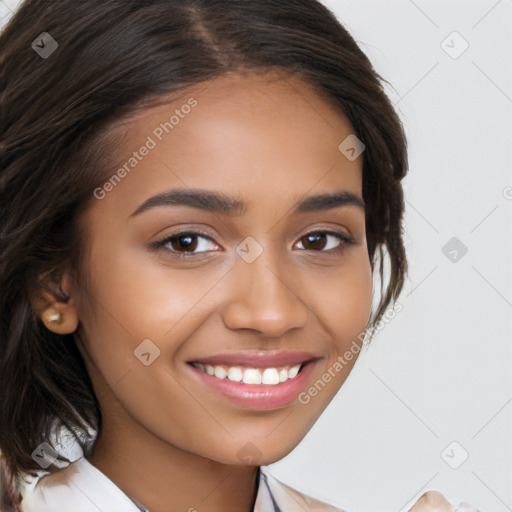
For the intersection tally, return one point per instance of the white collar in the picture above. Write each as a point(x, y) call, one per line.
point(82, 487)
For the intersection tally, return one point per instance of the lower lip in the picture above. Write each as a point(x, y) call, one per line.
point(258, 396)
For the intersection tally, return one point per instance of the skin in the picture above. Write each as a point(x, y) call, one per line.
point(168, 438)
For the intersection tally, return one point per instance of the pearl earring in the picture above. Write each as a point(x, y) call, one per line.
point(54, 318)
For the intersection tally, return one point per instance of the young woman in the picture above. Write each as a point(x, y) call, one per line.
point(195, 195)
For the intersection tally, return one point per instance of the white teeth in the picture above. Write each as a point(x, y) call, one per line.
point(270, 376)
point(235, 374)
point(252, 376)
point(292, 372)
point(220, 372)
point(255, 376)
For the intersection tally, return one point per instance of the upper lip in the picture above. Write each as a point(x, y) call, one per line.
point(257, 359)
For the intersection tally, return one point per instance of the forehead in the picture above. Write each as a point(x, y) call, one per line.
point(247, 133)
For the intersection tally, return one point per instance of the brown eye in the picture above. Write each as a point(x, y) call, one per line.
point(186, 242)
point(326, 241)
point(315, 241)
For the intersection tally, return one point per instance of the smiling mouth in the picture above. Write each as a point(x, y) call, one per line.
point(249, 375)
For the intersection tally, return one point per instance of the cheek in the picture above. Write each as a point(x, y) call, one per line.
point(342, 302)
point(139, 298)
point(343, 298)
point(340, 298)
point(134, 300)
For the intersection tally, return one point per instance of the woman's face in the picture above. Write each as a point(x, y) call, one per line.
point(212, 253)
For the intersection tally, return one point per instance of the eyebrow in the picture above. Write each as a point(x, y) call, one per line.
point(220, 203)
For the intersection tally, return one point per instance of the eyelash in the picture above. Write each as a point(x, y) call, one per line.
point(159, 245)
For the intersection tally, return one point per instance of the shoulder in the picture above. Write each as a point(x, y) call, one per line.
point(275, 495)
point(80, 487)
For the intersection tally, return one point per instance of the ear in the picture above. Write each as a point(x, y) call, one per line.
point(53, 304)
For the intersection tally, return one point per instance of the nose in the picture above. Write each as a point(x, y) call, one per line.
point(264, 298)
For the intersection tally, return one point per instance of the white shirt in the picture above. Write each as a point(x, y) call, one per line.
point(82, 487)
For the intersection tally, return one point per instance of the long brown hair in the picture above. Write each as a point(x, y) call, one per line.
point(113, 58)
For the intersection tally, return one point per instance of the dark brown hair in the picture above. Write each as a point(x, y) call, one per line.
point(113, 58)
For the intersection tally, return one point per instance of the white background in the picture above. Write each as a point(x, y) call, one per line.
point(440, 372)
